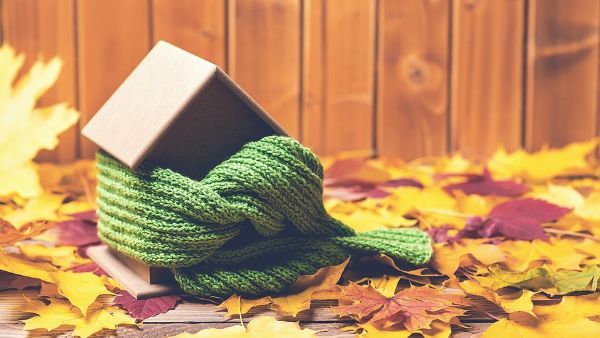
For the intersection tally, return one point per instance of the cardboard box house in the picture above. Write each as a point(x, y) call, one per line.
point(181, 112)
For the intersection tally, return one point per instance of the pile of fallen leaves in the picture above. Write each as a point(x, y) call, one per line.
point(516, 239)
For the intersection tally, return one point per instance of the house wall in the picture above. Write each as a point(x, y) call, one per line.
point(402, 78)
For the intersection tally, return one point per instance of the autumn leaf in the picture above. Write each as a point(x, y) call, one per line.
point(64, 257)
point(447, 258)
point(40, 208)
point(81, 289)
point(141, 309)
point(9, 234)
point(512, 301)
point(415, 307)
point(515, 219)
point(485, 185)
point(27, 128)
point(323, 281)
point(354, 171)
point(544, 278)
point(574, 316)
point(385, 285)
point(90, 267)
point(60, 312)
point(544, 164)
point(80, 231)
point(11, 281)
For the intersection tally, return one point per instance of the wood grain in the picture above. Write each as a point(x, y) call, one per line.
point(342, 118)
point(487, 76)
point(313, 76)
point(113, 37)
point(264, 55)
point(42, 30)
point(197, 26)
point(412, 92)
point(562, 81)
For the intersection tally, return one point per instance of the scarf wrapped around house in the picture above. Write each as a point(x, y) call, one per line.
point(252, 226)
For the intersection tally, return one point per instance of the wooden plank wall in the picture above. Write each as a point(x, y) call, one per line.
point(385, 77)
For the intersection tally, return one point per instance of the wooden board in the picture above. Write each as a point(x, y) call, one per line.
point(42, 30)
point(130, 274)
point(341, 116)
point(487, 75)
point(113, 37)
point(264, 55)
point(562, 76)
point(313, 76)
point(193, 315)
point(197, 26)
point(412, 91)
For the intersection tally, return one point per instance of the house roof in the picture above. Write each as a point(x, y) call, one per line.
point(178, 110)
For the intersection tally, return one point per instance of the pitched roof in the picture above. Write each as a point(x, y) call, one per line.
point(180, 111)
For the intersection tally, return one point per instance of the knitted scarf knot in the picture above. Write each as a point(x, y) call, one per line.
point(253, 225)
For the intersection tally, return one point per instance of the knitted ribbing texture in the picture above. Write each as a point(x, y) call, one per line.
point(251, 226)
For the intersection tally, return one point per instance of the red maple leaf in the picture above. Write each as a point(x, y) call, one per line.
point(415, 307)
point(145, 308)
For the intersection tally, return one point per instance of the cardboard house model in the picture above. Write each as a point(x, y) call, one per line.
point(180, 112)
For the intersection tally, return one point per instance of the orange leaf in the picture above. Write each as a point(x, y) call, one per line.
point(415, 307)
point(9, 234)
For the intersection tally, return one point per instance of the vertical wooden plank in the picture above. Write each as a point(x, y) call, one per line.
point(264, 55)
point(1, 20)
point(412, 104)
point(113, 37)
point(44, 29)
point(344, 120)
point(487, 76)
point(313, 75)
point(562, 86)
point(197, 26)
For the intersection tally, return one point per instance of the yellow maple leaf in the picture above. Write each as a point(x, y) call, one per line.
point(572, 317)
point(447, 258)
point(60, 312)
point(258, 327)
point(386, 285)
point(562, 195)
point(589, 210)
point(27, 128)
point(81, 289)
point(40, 208)
point(517, 301)
point(544, 164)
point(62, 256)
point(323, 281)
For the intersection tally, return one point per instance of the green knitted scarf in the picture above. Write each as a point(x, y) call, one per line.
point(252, 226)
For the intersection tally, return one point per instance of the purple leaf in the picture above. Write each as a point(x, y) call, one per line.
point(79, 231)
point(539, 210)
point(90, 267)
point(440, 234)
point(486, 185)
point(517, 219)
point(146, 308)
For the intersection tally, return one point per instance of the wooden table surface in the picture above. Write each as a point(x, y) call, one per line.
point(193, 315)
